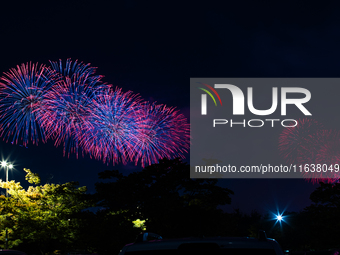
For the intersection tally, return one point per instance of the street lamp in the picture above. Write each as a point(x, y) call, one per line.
point(8, 166)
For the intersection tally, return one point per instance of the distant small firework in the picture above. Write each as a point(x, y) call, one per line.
point(162, 132)
point(299, 145)
point(314, 149)
point(329, 152)
point(113, 126)
point(327, 158)
point(22, 97)
point(70, 102)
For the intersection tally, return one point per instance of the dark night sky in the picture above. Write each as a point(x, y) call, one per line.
point(154, 47)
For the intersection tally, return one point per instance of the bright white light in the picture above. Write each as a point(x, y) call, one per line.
point(10, 166)
point(279, 217)
point(3, 163)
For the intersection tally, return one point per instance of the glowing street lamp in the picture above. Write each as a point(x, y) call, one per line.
point(8, 166)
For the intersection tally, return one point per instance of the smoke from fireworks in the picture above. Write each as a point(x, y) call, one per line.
point(71, 105)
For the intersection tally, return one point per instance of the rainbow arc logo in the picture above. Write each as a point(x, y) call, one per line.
point(204, 97)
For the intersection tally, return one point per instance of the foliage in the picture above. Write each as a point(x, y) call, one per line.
point(44, 215)
point(323, 216)
point(139, 224)
point(161, 196)
point(165, 194)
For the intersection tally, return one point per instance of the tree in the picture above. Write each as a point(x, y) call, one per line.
point(43, 215)
point(323, 216)
point(163, 194)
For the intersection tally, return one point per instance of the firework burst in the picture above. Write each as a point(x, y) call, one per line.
point(22, 98)
point(162, 132)
point(70, 102)
point(74, 70)
point(327, 158)
point(113, 126)
point(298, 145)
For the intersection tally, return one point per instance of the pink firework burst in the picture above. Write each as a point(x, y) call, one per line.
point(22, 98)
point(299, 145)
point(327, 158)
point(162, 132)
point(70, 104)
point(113, 126)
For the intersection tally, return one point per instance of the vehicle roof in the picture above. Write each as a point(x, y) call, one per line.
point(5, 251)
point(222, 242)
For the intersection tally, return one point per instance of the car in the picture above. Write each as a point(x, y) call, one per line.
point(11, 252)
point(152, 244)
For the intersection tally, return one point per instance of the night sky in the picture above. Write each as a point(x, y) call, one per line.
point(153, 48)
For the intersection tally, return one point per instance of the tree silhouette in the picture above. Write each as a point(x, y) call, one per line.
point(163, 194)
point(323, 216)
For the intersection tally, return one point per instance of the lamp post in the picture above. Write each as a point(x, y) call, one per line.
point(8, 166)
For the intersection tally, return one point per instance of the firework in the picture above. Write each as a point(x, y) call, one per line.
point(113, 126)
point(22, 97)
point(70, 102)
point(76, 70)
point(299, 145)
point(162, 132)
point(327, 158)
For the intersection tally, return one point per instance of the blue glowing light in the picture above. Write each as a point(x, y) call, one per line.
point(279, 218)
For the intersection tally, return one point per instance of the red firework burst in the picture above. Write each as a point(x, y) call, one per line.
point(299, 145)
point(327, 159)
point(162, 132)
